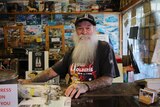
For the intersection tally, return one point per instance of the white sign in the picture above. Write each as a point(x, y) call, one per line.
point(103, 37)
point(55, 39)
point(8, 95)
point(40, 102)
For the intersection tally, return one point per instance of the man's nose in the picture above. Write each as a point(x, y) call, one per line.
point(84, 31)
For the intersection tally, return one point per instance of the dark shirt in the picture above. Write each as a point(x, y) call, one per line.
point(104, 64)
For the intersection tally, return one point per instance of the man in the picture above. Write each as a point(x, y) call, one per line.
point(91, 64)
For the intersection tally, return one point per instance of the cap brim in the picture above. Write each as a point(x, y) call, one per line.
point(85, 19)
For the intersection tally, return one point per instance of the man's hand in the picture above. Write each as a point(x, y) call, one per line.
point(24, 81)
point(76, 90)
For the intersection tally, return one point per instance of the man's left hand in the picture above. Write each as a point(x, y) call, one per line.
point(76, 90)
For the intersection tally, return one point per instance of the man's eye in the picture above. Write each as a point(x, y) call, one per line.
point(79, 28)
point(88, 28)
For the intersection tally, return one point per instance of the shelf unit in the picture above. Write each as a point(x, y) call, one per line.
point(14, 13)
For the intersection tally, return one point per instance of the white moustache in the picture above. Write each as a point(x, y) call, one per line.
point(84, 37)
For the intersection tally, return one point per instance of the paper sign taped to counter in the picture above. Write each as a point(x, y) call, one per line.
point(8, 95)
point(40, 102)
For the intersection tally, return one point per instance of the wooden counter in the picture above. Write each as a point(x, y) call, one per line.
point(116, 89)
point(117, 95)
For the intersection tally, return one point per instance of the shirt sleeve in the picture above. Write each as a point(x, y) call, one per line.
point(108, 64)
point(62, 66)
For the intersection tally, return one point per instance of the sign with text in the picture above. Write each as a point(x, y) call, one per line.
point(38, 61)
point(8, 95)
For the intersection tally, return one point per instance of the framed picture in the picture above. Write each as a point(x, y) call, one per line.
point(13, 36)
point(55, 38)
point(55, 41)
point(38, 61)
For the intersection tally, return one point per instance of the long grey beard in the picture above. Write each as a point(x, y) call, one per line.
point(85, 50)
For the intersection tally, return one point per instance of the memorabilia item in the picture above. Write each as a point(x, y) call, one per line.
point(30, 9)
point(42, 95)
point(95, 8)
point(147, 96)
point(7, 76)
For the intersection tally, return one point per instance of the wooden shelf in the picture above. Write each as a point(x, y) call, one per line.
point(14, 13)
point(132, 3)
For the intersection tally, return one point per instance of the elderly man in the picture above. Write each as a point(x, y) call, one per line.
point(90, 64)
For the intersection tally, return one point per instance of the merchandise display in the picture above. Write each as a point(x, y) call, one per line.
point(8, 76)
point(43, 95)
point(36, 34)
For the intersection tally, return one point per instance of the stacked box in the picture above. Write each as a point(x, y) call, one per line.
point(57, 7)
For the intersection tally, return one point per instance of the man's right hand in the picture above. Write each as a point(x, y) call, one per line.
point(24, 81)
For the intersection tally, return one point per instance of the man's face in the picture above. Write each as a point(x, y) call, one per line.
point(85, 29)
point(85, 41)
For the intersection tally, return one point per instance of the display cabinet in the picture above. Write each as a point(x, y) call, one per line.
point(55, 41)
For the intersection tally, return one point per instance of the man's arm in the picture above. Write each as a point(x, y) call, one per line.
point(45, 75)
point(79, 88)
point(42, 77)
point(99, 83)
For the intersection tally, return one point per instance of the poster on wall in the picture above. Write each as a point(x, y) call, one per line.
point(107, 26)
point(69, 29)
point(21, 19)
point(33, 29)
point(33, 19)
point(56, 19)
point(112, 29)
point(44, 18)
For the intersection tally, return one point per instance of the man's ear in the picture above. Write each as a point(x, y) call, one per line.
point(94, 27)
